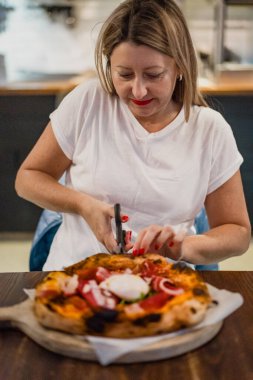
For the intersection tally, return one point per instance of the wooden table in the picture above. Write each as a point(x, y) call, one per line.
point(228, 356)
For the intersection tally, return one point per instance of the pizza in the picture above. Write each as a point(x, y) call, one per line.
point(121, 296)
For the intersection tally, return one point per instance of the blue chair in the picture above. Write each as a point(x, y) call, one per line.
point(46, 229)
point(50, 221)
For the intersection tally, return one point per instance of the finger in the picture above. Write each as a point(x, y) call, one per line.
point(138, 240)
point(124, 217)
point(148, 237)
point(111, 212)
point(128, 246)
point(110, 243)
point(128, 236)
point(165, 237)
point(179, 237)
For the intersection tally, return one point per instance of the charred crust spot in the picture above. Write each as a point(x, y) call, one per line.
point(95, 324)
point(59, 299)
point(193, 310)
point(155, 317)
point(107, 315)
point(182, 267)
point(161, 332)
point(215, 302)
point(48, 277)
point(198, 292)
point(49, 306)
point(158, 261)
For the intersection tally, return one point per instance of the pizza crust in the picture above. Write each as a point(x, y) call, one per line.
point(181, 311)
point(52, 320)
point(180, 316)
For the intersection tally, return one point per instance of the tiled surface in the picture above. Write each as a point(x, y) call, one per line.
point(14, 257)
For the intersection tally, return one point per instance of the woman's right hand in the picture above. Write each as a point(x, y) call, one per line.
point(99, 215)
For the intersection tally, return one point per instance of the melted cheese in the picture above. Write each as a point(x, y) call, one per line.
point(128, 287)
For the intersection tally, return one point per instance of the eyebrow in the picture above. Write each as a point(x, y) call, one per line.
point(145, 68)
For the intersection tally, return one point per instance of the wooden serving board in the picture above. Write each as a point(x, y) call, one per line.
point(21, 316)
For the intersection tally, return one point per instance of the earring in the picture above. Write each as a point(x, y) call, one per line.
point(180, 77)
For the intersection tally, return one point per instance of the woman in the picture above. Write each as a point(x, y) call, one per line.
point(143, 137)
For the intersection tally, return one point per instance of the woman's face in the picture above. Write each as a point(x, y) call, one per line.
point(145, 80)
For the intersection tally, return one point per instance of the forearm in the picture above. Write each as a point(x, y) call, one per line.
point(217, 244)
point(46, 192)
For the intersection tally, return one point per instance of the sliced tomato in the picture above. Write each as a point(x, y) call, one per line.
point(149, 269)
point(154, 302)
point(99, 274)
point(102, 274)
point(81, 283)
point(96, 297)
point(161, 284)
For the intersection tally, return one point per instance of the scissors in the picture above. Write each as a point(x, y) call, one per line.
point(120, 233)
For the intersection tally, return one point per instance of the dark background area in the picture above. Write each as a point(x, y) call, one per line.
point(23, 118)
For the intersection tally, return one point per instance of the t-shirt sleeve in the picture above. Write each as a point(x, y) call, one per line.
point(68, 119)
point(226, 159)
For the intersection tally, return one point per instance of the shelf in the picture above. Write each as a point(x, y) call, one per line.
point(234, 2)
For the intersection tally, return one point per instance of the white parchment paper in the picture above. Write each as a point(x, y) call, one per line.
point(110, 349)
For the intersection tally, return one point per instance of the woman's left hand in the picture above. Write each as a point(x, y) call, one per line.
point(159, 239)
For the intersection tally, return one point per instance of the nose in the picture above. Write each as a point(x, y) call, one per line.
point(139, 88)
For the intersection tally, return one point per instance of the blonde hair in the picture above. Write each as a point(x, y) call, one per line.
point(156, 24)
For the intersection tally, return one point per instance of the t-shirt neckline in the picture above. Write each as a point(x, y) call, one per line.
point(142, 133)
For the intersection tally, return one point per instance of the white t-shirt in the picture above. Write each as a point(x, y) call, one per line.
point(158, 178)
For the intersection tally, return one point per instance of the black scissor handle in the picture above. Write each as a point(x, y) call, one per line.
point(120, 234)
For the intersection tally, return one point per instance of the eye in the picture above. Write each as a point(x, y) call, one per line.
point(125, 75)
point(154, 75)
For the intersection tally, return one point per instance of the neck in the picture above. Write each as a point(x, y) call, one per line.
point(157, 123)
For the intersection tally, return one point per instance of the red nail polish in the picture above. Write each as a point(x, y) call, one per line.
point(171, 244)
point(141, 251)
point(157, 247)
point(124, 218)
point(135, 252)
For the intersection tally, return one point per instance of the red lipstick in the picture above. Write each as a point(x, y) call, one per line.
point(141, 102)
